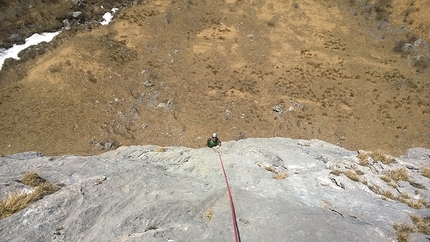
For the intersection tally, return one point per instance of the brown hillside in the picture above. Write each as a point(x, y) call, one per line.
point(173, 72)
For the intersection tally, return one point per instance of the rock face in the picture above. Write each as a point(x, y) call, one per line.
point(283, 190)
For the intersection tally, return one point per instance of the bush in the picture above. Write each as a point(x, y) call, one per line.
point(421, 64)
point(398, 47)
point(382, 9)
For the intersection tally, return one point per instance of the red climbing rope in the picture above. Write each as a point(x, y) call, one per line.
point(233, 213)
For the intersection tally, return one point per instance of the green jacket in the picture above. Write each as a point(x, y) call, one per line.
point(212, 143)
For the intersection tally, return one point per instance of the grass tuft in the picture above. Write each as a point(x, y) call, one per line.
point(422, 224)
point(209, 213)
point(359, 172)
point(403, 231)
point(160, 149)
point(405, 196)
point(384, 159)
point(32, 179)
point(363, 159)
point(389, 195)
point(425, 171)
point(18, 201)
point(280, 175)
point(385, 179)
point(417, 185)
point(399, 174)
point(336, 172)
point(352, 175)
point(376, 156)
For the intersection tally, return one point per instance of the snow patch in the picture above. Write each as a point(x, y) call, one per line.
point(108, 16)
point(32, 40)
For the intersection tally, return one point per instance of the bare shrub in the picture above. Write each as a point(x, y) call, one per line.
point(91, 77)
point(398, 47)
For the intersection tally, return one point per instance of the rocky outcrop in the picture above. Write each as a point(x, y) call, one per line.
point(283, 190)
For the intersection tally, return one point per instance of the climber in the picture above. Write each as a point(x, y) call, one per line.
point(213, 142)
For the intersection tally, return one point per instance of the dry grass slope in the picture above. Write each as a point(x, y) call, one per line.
point(312, 60)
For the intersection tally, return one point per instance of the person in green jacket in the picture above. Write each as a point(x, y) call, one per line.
point(213, 142)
